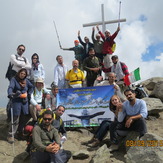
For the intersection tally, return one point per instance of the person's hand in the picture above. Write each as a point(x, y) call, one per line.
point(99, 78)
point(97, 27)
point(116, 87)
point(63, 139)
point(23, 95)
point(78, 33)
point(119, 107)
point(95, 69)
point(38, 107)
point(55, 147)
point(129, 122)
point(118, 29)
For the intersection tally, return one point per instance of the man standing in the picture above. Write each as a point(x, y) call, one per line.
point(60, 72)
point(46, 141)
point(18, 61)
point(79, 52)
point(108, 46)
point(75, 76)
point(87, 44)
point(98, 45)
point(37, 99)
point(131, 117)
point(119, 68)
point(92, 66)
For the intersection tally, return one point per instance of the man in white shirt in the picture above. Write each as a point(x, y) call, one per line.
point(18, 61)
point(37, 98)
point(60, 72)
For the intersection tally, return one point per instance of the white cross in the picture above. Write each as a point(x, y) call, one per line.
point(103, 22)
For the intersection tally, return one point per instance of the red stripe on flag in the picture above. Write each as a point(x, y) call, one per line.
point(126, 80)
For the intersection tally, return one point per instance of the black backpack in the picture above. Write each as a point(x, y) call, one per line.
point(10, 73)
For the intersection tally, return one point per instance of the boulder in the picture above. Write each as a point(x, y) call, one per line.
point(158, 91)
point(148, 149)
point(102, 155)
point(154, 105)
point(149, 84)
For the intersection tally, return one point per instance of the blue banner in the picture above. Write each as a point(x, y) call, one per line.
point(86, 106)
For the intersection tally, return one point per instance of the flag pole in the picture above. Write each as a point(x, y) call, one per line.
point(57, 34)
point(119, 14)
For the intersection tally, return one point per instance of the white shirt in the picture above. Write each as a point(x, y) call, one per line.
point(40, 73)
point(59, 76)
point(19, 63)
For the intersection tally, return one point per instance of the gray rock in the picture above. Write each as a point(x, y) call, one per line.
point(148, 149)
point(81, 155)
point(154, 105)
point(158, 91)
point(102, 155)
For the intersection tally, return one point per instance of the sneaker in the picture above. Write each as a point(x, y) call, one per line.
point(113, 147)
point(10, 139)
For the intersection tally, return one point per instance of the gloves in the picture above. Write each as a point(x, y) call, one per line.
point(63, 139)
point(10, 96)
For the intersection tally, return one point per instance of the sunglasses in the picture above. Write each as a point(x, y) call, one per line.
point(45, 119)
point(34, 58)
point(21, 49)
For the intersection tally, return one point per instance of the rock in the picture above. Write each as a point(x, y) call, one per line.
point(154, 105)
point(150, 84)
point(148, 149)
point(158, 91)
point(102, 155)
point(81, 155)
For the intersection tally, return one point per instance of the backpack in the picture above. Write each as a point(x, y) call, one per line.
point(10, 73)
point(113, 47)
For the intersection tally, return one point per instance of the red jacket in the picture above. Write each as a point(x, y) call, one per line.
point(108, 43)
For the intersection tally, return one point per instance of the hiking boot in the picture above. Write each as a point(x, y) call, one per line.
point(88, 142)
point(113, 147)
point(10, 139)
point(96, 143)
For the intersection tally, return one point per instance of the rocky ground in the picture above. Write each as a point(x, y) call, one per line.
point(73, 144)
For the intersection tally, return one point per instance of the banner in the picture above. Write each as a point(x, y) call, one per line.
point(87, 106)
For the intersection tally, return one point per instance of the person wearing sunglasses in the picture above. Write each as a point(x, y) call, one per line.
point(46, 141)
point(18, 61)
point(37, 70)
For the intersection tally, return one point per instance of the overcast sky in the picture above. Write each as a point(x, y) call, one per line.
point(139, 43)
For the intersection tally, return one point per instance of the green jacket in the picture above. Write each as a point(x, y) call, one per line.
point(41, 139)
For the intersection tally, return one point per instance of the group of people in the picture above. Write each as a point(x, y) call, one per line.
point(28, 95)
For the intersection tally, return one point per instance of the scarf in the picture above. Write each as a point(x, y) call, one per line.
point(35, 65)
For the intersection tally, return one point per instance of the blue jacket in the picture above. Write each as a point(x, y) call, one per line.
point(18, 104)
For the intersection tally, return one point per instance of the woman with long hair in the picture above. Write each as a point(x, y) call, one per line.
point(101, 132)
point(37, 70)
point(19, 91)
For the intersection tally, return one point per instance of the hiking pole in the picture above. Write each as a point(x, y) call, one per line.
point(57, 34)
point(119, 14)
point(12, 127)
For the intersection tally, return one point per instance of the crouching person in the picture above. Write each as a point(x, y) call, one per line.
point(46, 141)
point(131, 117)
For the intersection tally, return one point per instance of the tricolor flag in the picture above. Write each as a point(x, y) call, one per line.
point(132, 77)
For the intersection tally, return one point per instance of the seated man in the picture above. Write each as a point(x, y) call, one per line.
point(57, 122)
point(37, 99)
point(131, 117)
point(46, 141)
point(110, 81)
point(51, 99)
